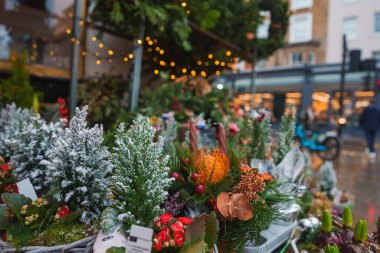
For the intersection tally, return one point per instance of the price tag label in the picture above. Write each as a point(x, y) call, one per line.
point(139, 240)
point(25, 187)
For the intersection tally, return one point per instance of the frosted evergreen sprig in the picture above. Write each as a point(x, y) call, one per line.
point(80, 167)
point(31, 146)
point(285, 137)
point(141, 175)
point(12, 119)
point(260, 135)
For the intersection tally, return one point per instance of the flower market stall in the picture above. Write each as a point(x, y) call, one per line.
point(164, 186)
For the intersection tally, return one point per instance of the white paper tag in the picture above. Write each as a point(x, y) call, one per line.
point(25, 187)
point(140, 240)
point(104, 242)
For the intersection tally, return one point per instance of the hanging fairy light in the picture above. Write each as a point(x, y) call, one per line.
point(98, 61)
point(101, 45)
point(68, 31)
point(210, 56)
point(126, 59)
point(139, 41)
point(110, 52)
point(172, 77)
point(130, 56)
point(93, 38)
point(184, 70)
point(172, 64)
point(203, 74)
point(228, 53)
point(156, 72)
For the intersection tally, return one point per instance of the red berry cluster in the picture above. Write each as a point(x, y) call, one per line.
point(62, 212)
point(62, 108)
point(6, 179)
point(170, 234)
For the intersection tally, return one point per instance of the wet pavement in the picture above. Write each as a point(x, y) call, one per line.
point(360, 176)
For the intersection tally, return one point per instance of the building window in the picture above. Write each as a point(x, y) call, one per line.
point(300, 28)
point(301, 4)
point(296, 58)
point(312, 57)
point(376, 55)
point(350, 27)
point(377, 22)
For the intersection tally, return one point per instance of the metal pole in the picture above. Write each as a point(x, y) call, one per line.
point(252, 88)
point(342, 81)
point(342, 75)
point(75, 57)
point(137, 62)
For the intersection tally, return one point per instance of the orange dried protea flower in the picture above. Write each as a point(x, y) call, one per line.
point(251, 183)
point(214, 166)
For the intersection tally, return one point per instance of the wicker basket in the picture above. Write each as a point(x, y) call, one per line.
point(81, 246)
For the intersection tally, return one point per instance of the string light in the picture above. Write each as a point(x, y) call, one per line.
point(84, 53)
point(110, 52)
point(172, 77)
point(222, 64)
point(147, 38)
point(77, 42)
point(210, 56)
point(172, 64)
point(207, 63)
point(217, 72)
point(203, 74)
point(228, 53)
point(130, 56)
point(32, 57)
point(150, 50)
point(150, 43)
point(157, 49)
point(126, 59)
point(183, 4)
point(193, 73)
point(68, 31)
point(72, 40)
point(93, 38)
point(156, 71)
point(98, 62)
point(217, 62)
point(34, 45)
point(139, 41)
point(81, 22)
point(101, 45)
point(162, 51)
point(187, 12)
point(199, 62)
point(51, 52)
point(184, 70)
point(162, 63)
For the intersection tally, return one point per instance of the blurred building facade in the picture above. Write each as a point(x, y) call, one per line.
point(306, 70)
point(306, 40)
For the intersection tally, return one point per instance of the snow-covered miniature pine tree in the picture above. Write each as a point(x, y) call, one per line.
point(31, 146)
point(11, 121)
point(260, 135)
point(80, 167)
point(285, 137)
point(141, 175)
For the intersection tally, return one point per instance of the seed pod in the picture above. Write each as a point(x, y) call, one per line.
point(347, 217)
point(364, 232)
point(358, 229)
point(326, 222)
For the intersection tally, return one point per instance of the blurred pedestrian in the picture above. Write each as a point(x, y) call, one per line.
point(370, 122)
